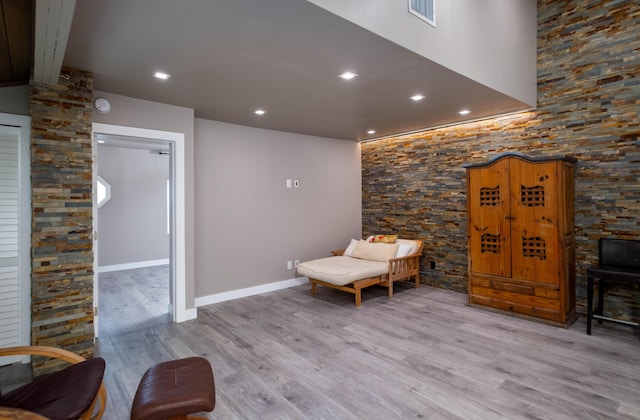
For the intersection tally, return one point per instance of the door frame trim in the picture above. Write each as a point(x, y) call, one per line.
point(178, 239)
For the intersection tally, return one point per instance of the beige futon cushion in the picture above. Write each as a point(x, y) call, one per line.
point(375, 251)
point(342, 270)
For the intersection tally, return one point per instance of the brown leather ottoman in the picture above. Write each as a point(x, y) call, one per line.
point(174, 389)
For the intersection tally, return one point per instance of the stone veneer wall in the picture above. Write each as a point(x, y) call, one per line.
point(588, 107)
point(62, 222)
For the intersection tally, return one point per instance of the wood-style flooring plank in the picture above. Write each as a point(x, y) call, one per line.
point(130, 300)
point(422, 354)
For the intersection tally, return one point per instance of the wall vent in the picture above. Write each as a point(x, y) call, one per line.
point(424, 9)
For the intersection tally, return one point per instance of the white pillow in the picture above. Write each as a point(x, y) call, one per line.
point(375, 252)
point(414, 245)
point(349, 250)
point(404, 250)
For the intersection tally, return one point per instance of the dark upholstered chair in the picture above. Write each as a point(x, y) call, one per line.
point(71, 393)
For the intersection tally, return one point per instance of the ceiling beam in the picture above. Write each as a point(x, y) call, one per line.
point(53, 23)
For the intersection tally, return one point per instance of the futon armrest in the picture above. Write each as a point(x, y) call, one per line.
point(337, 252)
point(404, 267)
point(408, 257)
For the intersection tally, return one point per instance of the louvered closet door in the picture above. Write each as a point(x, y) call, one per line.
point(535, 253)
point(9, 207)
point(489, 214)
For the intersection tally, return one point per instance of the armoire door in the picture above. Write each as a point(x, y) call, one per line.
point(535, 242)
point(489, 218)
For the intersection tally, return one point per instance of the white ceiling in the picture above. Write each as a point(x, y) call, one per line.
point(228, 57)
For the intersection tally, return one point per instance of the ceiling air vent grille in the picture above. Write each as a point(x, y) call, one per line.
point(424, 9)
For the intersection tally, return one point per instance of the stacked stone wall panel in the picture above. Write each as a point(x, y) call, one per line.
point(62, 217)
point(588, 107)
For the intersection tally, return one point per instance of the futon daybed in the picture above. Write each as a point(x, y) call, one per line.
point(366, 263)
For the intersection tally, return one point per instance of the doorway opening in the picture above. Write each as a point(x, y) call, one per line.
point(133, 252)
point(175, 154)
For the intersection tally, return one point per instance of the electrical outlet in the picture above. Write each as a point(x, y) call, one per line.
point(296, 263)
point(289, 265)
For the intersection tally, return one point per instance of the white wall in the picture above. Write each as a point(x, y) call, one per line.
point(132, 226)
point(248, 224)
point(490, 41)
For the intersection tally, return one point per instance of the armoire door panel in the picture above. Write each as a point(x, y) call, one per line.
point(489, 245)
point(535, 241)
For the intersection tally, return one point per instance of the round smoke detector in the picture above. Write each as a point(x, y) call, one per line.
point(102, 105)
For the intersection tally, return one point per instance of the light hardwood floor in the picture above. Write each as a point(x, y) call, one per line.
point(129, 300)
point(133, 299)
point(423, 354)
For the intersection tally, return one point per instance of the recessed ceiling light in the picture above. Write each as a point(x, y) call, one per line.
point(348, 75)
point(161, 75)
point(371, 132)
point(259, 112)
point(417, 97)
point(464, 112)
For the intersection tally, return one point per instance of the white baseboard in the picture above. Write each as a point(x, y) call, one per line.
point(130, 266)
point(249, 291)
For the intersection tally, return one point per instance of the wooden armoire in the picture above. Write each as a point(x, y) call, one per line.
point(521, 236)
